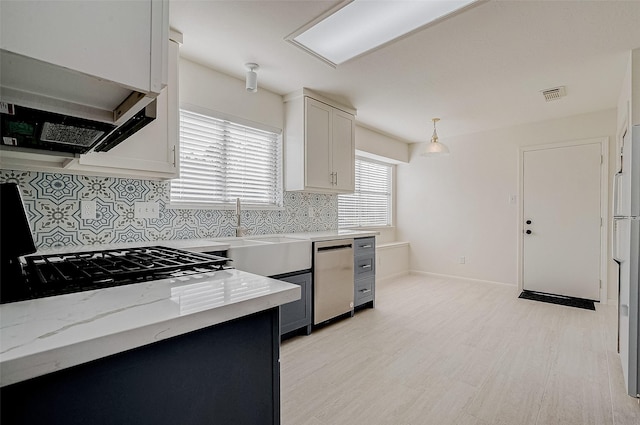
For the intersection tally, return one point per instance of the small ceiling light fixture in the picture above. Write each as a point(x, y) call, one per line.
point(435, 148)
point(355, 27)
point(252, 77)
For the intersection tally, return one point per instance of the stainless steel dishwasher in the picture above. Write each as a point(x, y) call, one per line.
point(332, 279)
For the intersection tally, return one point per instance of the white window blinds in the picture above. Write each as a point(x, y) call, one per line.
point(370, 204)
point(221, 161)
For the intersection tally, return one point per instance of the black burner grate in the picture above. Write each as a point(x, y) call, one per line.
point(49, 275)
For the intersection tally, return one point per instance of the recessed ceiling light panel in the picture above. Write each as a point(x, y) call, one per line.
point(359, 26)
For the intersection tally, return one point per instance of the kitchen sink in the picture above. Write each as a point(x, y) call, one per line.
point(271, 255)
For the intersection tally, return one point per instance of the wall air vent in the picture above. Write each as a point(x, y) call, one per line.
point(554, 93)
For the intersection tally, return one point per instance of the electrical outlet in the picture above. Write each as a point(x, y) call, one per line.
point(146, 210)
point(88, 210)
point(463, 260)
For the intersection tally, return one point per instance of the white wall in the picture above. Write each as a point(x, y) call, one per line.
point(635, 86)
point(381, 145)
point(207, 88)
point(458, 205)
point(624, 99)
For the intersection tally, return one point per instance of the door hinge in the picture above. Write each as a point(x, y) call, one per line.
point(601, 221)
point(601, 159)
point(600, 284)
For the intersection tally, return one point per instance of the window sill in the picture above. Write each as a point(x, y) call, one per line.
point(367, 228)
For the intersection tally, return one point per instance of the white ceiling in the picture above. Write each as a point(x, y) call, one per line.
point(479, 70)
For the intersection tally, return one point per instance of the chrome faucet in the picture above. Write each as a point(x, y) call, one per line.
point(240, 231)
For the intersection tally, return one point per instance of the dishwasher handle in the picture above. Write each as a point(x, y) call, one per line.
point(334, 247)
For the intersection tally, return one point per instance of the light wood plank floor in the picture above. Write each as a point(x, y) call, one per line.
point(448, 351)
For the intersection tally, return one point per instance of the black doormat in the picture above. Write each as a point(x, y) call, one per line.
point(558, 299)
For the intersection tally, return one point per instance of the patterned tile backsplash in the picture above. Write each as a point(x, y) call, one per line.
point(52, 202)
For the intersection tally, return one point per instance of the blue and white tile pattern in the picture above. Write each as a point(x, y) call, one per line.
point(52, 202)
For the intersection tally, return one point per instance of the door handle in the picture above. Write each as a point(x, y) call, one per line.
point(624, 309)
point(333, 247)
point(528, 232)
point(528, 222)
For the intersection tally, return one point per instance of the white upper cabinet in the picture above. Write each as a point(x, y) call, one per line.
point(319, 141)
point(117, 41)
point(152, 151)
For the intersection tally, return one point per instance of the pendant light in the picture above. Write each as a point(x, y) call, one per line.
point(252, 77)
point(435, 148)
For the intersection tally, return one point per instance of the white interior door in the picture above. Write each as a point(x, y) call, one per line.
point(561, 210)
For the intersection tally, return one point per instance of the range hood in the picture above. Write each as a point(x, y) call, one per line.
point(52, 109)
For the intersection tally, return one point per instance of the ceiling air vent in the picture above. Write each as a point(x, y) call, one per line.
point(554, 93)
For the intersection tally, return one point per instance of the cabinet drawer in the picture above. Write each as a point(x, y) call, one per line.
point(364, 291)
point(364, 266)
point(364, 246)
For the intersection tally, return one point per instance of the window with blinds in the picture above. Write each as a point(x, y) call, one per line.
point(371, 203)
point(221, 160)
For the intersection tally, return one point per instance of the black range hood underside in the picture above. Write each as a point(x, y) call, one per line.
point(32, 129)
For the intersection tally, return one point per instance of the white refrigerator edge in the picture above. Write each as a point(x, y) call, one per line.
point(626, 252)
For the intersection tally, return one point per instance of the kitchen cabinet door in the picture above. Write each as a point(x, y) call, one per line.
point(318, 117)
point(343, 151)
point(297, 314)
point(151, 152)
point(319, 142)
point(120, 41)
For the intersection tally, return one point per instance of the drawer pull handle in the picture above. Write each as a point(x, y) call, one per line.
point(364, 291)
point(366, 266)
point(366, 246)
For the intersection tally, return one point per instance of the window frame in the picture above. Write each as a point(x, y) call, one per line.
point(392, 200)
point(231, 205)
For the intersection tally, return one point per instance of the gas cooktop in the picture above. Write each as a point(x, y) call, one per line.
point(57, 274)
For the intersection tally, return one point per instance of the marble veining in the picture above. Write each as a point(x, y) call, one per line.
point(48, 334)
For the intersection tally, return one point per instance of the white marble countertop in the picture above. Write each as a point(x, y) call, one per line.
point(48, 334)
point(332, 234)
point(212, 244)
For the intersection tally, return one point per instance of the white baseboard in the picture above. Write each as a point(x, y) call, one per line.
point(392, 276)
point(391, 245)
point(450, 276)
